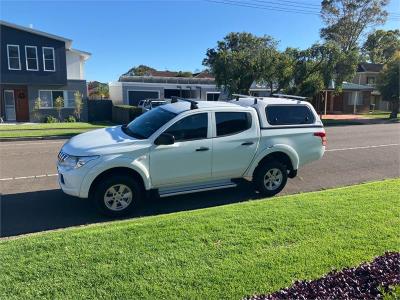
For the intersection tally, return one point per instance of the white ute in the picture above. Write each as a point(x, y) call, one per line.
point(188, 146)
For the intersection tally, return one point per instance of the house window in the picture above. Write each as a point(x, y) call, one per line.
point(352, 97)
point(212, 96)
point(69, 98)
point(31, 58)
point(48, 59)
point(14, 60)
point(370, 80)
point(48, 98)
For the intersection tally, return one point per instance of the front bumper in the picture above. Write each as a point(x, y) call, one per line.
point(69, 182)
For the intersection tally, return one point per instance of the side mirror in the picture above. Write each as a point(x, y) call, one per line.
point(165, 139)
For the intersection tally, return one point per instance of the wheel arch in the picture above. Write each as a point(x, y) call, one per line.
point(282, 153)
point(120, 171)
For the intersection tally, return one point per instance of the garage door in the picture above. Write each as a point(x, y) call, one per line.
point(135, 96)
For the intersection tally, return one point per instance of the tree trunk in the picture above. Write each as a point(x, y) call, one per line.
point(395, 109)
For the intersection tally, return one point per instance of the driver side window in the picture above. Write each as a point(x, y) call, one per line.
point(193, 127)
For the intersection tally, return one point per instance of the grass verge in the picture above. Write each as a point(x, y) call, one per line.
point(48, 129)
point(379, 115)
point(216, 253)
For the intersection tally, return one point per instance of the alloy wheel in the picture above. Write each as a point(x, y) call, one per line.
point(118, 197)
point(273, 179)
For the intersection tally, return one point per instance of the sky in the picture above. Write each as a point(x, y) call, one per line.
point(166, 35)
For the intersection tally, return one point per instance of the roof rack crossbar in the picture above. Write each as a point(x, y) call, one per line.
point(294, 97)
point(241, 95)
point(245, 96)
point(193, 104)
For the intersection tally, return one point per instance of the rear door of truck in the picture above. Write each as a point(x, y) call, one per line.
point(235, 141)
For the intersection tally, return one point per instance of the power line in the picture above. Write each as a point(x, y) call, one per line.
point(264, 7)
point(295, 3)
point(291, 9)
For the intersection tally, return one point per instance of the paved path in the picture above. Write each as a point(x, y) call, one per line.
point(33, 202)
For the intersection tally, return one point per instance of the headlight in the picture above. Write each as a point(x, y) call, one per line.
point(70, 162)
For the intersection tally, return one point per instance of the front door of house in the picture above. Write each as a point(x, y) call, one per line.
point(21, 105)
point(9, 105)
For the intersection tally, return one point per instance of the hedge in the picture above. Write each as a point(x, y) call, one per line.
point(123, 114)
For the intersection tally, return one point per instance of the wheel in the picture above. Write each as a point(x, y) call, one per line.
point(270, 178)
point(117, 196)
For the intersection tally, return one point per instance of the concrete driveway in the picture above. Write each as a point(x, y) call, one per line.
point(31, 200)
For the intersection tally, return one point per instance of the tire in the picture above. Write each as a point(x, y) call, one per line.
point(270, 178)
point(117, 195)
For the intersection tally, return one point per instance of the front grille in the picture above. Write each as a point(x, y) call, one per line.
point(62, 156)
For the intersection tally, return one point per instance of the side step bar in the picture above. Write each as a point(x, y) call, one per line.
point(167, 192)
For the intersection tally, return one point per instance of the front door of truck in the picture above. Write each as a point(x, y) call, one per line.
point(188, 160)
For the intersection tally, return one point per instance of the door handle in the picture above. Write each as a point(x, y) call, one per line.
point(247, 143)
point(203, 149)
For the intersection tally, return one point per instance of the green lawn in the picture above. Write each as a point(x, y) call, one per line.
point(48, 129)
point(223, 252)
point(379, 115)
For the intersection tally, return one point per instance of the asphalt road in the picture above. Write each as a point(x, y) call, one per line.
point(31, 200)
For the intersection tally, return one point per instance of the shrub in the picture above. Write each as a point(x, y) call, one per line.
point(70, 119)
point(58, 105)
point(36, 109)
point(50, 119)
point(78, 101)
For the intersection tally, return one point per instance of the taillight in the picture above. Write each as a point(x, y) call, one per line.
point(322, 135)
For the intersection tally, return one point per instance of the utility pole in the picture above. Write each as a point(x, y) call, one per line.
point(356, 99)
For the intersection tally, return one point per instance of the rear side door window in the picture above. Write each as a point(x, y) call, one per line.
point(289, 115)
point(193, 127)
point(228, 123)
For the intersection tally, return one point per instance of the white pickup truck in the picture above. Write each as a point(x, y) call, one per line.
point(188, 146)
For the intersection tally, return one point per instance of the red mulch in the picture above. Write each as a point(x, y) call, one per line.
point(362, 282)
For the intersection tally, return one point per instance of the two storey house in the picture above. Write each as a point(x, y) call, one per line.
point(36, 64)
point(367, 74)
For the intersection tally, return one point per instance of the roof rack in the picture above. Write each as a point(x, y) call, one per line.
point(294, 97)
point(244, 96)
point(193, 104)
point(240, 95)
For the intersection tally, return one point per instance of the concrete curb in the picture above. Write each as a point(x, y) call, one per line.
point(37, 138)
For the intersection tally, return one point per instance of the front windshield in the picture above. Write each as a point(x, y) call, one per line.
point(148, 123)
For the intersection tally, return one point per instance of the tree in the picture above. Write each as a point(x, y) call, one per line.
point(381, 45)
point(320, 65)
point(347, 20)
point(275, 68)
point(58, 105)
point(184, 74)
point(78, 104)
point(141, 70)
point(234, 60)
point(389, 82)
point(98, 90)
point(102, 90)
point(36, 108)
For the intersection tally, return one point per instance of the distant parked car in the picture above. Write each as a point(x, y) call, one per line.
point(149, 104)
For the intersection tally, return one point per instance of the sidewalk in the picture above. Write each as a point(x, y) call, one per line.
point(343, 120)
point(344, 117)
